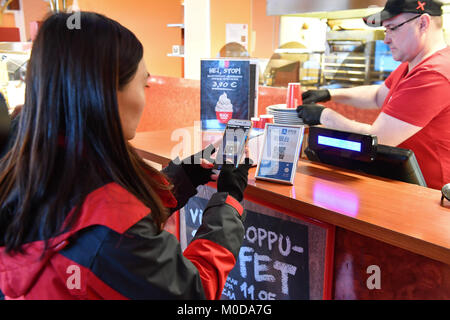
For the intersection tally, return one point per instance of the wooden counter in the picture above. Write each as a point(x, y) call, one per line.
point(402, 215)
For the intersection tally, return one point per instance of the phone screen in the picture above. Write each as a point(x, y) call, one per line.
point(233, 143)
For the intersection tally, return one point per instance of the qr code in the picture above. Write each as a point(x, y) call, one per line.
point(279, 152)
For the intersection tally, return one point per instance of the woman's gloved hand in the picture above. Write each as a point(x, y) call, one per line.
point(199, 167)
point(314, 96)
point(234, 180)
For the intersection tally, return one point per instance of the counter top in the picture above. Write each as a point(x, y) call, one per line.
point(404, 215)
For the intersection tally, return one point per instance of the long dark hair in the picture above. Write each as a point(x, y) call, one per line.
point(69, 137)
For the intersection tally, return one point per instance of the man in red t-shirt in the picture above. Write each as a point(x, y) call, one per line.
point(414, 100)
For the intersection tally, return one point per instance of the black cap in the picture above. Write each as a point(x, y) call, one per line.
point(395, 7)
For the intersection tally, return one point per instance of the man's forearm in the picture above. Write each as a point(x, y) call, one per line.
point(333, 120)
point(364, 97)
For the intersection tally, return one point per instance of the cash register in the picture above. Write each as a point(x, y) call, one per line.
point(362, 153)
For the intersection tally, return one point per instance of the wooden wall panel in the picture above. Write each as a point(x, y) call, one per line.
point(404, 275)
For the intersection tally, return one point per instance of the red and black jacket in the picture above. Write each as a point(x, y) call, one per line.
point(115, 252)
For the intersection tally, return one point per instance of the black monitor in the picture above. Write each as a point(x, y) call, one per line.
point(389, 162)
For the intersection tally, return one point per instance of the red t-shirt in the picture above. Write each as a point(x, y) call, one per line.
point(422, 98)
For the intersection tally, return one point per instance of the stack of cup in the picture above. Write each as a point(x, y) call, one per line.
point(265, 118)
point(294, 95)
point(256, 123)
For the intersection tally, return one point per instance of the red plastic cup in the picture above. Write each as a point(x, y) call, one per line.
point(265, 118)
point(294, 95)
point(256, 122)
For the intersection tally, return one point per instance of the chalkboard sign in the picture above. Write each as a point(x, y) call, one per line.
point(193, 212)
point(281, 257)
point(272, 262)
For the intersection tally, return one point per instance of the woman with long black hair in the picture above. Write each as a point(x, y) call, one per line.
point(81, 214)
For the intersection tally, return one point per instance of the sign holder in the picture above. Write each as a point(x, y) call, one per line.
point(281, 150)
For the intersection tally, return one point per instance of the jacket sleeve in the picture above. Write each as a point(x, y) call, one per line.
point(215, 247)
point(144, 264)
point(183, 188)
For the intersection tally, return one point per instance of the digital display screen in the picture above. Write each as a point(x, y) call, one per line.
point(342, 144)
point(339, 143)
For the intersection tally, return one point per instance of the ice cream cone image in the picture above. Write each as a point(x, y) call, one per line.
point(224, 109)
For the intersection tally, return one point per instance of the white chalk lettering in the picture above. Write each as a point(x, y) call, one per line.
point(260, 267)
point(268, 239)
point(264, 295)
point(249, 238)
point(286, 251)
point(197, 213)
point(243, 258)
point(285, 270)
point(272, 239)
point(262, 234)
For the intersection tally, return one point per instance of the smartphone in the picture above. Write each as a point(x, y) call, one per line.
point(233, 144)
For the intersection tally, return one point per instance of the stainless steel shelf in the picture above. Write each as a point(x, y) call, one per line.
point(346, 65)
point(363, 73)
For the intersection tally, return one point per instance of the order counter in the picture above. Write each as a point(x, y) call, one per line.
point(347, 235)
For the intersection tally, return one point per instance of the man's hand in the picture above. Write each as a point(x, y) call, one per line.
point(313, 96)
point(310, 113)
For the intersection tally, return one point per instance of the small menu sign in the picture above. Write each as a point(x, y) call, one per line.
point(228, 91)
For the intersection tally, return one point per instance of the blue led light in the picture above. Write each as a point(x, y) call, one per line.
point(339, 143)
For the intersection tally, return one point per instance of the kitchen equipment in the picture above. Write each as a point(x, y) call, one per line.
point(350, 60)
point(14, 58)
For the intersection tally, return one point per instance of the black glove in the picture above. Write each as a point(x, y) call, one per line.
point(234, 180)
point(196, 173)
point(313, 96)
point(310, 113)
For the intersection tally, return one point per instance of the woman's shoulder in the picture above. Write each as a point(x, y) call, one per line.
point(113, 206)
